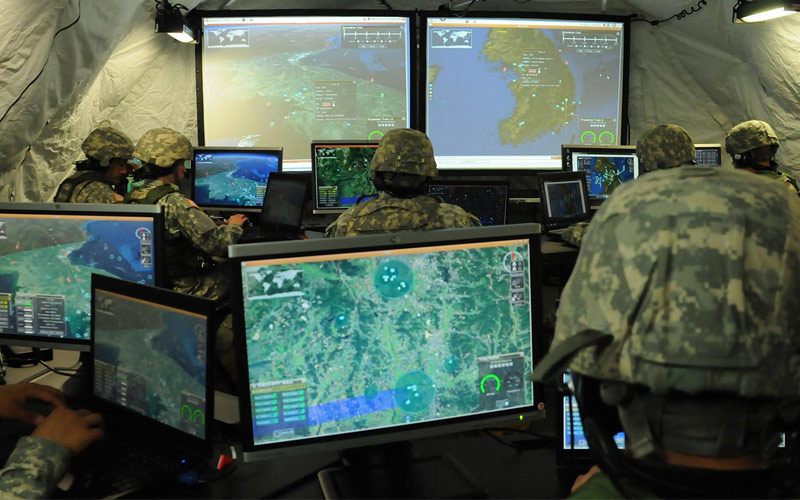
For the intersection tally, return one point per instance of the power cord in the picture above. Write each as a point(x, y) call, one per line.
point(385, 3)
point(680, 15)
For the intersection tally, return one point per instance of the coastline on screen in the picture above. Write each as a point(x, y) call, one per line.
point(233, 178)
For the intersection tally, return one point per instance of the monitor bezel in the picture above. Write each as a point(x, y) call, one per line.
point(413, 87)
point(87, 209)
point(168, 435)
point(257, 251)
point(276, 150)
point(556, 222)
point(443, 181)
point(314, 168)
point(298, 178)
point(422, 79)
point(717, 147)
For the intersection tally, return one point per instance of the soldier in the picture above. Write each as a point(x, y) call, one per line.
point(192, 237)
point(402, 166)
point(98, 177)
point(679, 327)
point(39, 461)
point(752, 146)
point(660, 147)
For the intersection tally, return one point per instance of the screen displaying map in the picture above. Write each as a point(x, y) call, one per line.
point(233, 179)
point(565, 199)
point(342, 174)
point(46, 265)
point(351, 342)
point(151, 359)
point(507, 93)
point(487, 203)
point(604, 172)
point(291, 80)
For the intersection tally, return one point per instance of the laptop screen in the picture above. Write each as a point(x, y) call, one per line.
point(151, 349)
point(233, 178)
point(564, 198)
point(486, 201)
point(285, 201)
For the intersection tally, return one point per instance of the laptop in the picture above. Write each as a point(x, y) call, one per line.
point(488, 201)
point(151, 380)
point(565, 200)
point(282, 211)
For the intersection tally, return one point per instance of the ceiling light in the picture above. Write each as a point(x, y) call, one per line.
point(169, 20)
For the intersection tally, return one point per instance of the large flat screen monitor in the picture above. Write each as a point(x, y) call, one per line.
point(289, 77)
point(358, 341)
point(606, 167)
point(488, 201)
point(341, 174)
point(504, 92)
point(233, 178)
point(48, 253)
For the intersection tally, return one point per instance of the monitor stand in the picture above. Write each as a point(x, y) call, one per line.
point(393, 471)
point(78, 387)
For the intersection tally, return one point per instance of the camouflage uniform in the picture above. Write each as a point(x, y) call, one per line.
point(191, 236)
point(103, 145)
point(574, 233)
point(401, 151)
point(33, 469)
point(751, 135)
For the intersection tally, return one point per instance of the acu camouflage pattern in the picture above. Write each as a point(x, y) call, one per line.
point(665, 146)
point(162, 147)
point(388, 214)
point(750, 135)
point(191, 235)
point(105, 143)
point(574, 233)
point(405, 151)
point(787, 180)
point(33, 469)
point(85, 187)
point(694, 272)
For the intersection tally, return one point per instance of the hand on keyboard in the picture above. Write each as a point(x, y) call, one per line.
point(238, 220)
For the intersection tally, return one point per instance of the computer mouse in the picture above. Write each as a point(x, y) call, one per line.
point(38, 406)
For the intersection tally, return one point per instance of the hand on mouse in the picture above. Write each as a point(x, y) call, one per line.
point(13, 398)
point(237, 219)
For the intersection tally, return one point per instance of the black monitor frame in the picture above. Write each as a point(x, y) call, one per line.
point(422, 78)
point(494, 184)
point(240, 254)
point(556, 222)
point(716, 147)
point(87, 210)
point(314, 170)
point(412, 52)
point(568, 149)
point(278, 151)
point(199, 447)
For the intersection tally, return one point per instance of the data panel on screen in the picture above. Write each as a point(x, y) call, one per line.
point(506, 93)
point(369, 340)
point(46, 264)
point(286, 80)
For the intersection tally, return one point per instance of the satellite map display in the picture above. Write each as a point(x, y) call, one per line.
point(343, 175)
point(605, 173)
point(551, 82)
point(46, 264)
point(565, 199)
point(236, 179)
point(151, 359)
point(487, 203)
point(367, 340)
point(291, 80)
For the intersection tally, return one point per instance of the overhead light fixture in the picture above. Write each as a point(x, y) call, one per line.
point(754, 11)
point(169, 20)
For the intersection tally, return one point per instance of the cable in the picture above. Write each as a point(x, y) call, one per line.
point(62, 371)
point(680, 15)
point(464, 12)
point(385, 4)
point(45, 62)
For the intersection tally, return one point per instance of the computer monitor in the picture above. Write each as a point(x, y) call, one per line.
point(341, 174)
point(606, 167)
point(564, 198)
point(488, 201)
point(151, 349)
point(233, 178)
point(708, 155)
point(48, 253)
point(359, 341)
point(289, 77)
point(503, 91)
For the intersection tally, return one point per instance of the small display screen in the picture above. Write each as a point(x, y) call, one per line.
point(233, 179)
point(565, 199)
point(486, 202)
point(342, 174)
point(604, 172)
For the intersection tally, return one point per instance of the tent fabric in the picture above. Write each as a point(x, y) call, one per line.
point(702, 72)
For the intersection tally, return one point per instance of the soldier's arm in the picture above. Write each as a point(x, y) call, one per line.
point(33, 469)
point(97, 192)
point(338, 228)
point(199, 228)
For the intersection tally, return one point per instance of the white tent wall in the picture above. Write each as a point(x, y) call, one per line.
point(701, 72)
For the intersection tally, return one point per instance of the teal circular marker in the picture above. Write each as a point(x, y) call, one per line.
point(604, 133)
point(594, 137)
point(414, 391)
point(393, 279)
point(487, 377)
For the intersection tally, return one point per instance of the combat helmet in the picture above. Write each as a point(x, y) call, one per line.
point(162, 147)
point(105, 143)
point(750, 135)
point(405, 151)
point(665, 146)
